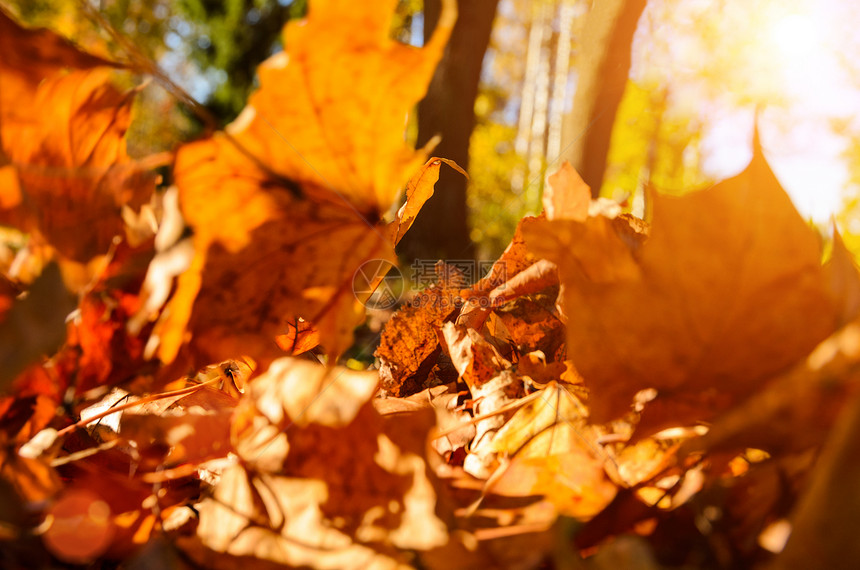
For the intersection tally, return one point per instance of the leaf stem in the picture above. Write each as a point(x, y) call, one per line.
point(151, 398)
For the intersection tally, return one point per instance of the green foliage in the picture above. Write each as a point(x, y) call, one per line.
point(494, 210)
point(848, 218)
point(651, 146)
point(228, 40)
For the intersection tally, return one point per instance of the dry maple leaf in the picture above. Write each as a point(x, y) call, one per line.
point(532, 323)
point(409, 344)
point(325, 481)
point(553, 452)
point(28, 57)
point(129, 506)
point(66, 174)
point(727, 291)
point(286, 204)
point(407, 351)
point(567, 197)
point(492, 288)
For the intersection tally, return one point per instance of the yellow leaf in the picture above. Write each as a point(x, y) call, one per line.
point(286, 204)
point(553, 453)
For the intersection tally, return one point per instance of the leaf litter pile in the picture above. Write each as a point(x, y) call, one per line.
point(615, 393)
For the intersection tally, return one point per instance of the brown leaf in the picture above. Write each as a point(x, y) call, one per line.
point(727, 291)
point(533, 324)
point(33, 479)
point(824, 523)
point(409, 344)
point(795, 410)
point(327, 482)
point(299, 338)
point(537, 277)
point(514, 259)
point(534, 367)
point(407, 350)
point(178, 436)
point(475, 359)
point(28, 57)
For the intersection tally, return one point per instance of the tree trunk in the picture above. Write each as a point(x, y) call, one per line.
point(604, 64)
point(441, 230)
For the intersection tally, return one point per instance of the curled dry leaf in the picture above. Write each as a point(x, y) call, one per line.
point(301, 187)
point(535, 278)
point(407, 351)
point(418, 191)
point(476, 360)
point(300, 392)
point(533, 324)
point(493, 387)
point(534, 368)
point(409, 345)
point(336, 485)
point(492, 288)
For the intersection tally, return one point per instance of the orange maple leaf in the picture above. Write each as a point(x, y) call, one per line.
point(64, 169)
point(727, 291)
point(286, 204)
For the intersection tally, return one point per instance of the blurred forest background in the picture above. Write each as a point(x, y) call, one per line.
point(662, 93)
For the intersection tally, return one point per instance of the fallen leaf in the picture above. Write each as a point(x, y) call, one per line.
point(418, 191)
point(177, 436)
point(554, 453)
point(299, 338)
point(727, 291)
point(533, 324)
point(34, 480)
point(475, 359)
point(409, 344)
point(330, 483)
point(30, 55)
point(492, 289)
point(824, 527)
point(407, 351)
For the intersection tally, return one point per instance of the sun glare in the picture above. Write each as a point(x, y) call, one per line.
point(795, 52)
point(796, 72)
point(793, 37)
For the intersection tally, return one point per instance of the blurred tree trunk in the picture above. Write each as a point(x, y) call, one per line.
point(441, 231)
point(604, 64)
